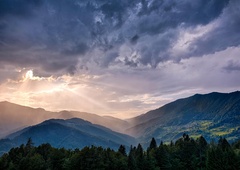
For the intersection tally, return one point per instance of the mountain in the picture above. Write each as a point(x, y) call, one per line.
point(71, 133)
point(113, 123)
point(211, 115)
point(14, 117)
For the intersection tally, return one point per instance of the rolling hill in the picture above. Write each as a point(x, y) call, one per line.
point(211, 115)
point(71, 133)
point(14, 117)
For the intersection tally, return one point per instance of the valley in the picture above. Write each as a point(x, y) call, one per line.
point(212, 115)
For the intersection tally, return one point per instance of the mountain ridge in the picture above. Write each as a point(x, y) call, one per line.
point(212, 115)
point(14, 117)
point(150, 113)
point(200, 113)
point(71, 134)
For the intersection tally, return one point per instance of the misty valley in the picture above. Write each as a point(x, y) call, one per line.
point(189, 133)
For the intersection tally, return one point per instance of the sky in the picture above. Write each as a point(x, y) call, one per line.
point(119, 58)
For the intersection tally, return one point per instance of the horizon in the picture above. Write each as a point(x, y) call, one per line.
point(122, 118)
point(116, 58)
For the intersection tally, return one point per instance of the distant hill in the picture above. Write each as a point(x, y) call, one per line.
point(70, 134)
point(211, 115)
point(14, 117)
point(113, 123)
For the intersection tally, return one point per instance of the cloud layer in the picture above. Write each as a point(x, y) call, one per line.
point(138, 54)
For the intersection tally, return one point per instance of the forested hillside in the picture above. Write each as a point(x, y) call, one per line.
point(14, 117)
point(70, 134)
point(185, 153)
point(211, 115)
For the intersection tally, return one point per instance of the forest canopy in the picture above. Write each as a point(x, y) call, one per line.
point(185, 153)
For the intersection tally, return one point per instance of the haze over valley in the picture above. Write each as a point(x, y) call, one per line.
point(213, 115)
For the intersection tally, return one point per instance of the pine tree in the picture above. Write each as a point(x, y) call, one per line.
point(153, 144)
point(186, 137)
point(139, 157)
point(202, 146)
point(223, 144)
point(29, 143)
point(202, 143)
point(162, 157)
point(131, 159)
point(122, 150)
point(29, 146)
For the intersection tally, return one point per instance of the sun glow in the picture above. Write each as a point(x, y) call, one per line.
point(29, 75)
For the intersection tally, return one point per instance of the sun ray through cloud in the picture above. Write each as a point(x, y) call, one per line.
point(116, 57)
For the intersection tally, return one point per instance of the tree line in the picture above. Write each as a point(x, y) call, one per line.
point(185, 153)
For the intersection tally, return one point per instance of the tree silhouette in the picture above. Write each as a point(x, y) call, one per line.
point(122, 150)
point(153, 144)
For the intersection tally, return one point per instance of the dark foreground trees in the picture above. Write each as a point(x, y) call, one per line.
point(185, 153)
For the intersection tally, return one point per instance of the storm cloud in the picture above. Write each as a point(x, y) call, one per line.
point(134, 55)
point(58, 36)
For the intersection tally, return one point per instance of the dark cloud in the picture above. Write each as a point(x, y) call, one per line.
point(225, 35)
point(108, 59)
point(57, 35)
point(232, 66)
point(157, 16)
point(80, 49)
point(134, 39)
point(71, 69)
point(23, 8)
point(129, 62)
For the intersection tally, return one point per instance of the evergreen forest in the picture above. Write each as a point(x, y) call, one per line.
point(185, 153)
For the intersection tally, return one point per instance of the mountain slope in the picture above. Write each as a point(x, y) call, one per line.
point(14, 117)
point(211, 115)
point(113, 123)
point(71, 133)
